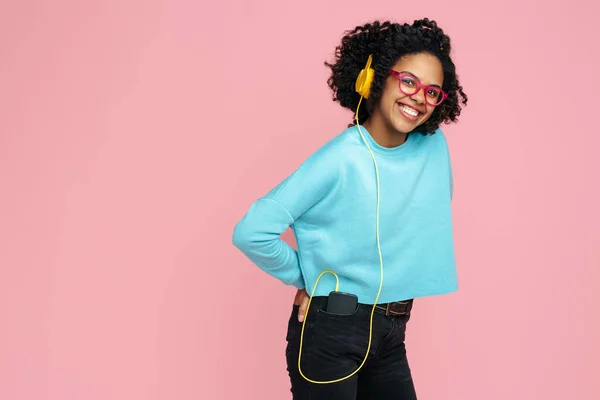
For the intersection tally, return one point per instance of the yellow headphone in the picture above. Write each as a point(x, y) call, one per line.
point(365, 78)
point(362, 87)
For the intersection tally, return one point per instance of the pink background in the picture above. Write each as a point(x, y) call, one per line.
point(134, 134)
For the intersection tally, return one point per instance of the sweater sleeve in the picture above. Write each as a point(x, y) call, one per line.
point(450, 173)
point(258, 233)
point(451, 179)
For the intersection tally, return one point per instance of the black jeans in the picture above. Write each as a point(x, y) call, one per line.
point(334, 346)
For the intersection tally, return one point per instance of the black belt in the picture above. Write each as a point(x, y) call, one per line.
point(396, 308)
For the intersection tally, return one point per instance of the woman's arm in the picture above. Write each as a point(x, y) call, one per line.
point(258, 233)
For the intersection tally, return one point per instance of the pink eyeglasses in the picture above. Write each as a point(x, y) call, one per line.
point(410, 85)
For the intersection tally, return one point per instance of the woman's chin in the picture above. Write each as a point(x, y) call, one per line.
point(403, 126)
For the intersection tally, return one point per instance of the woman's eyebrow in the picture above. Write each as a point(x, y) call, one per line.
point(410, 73)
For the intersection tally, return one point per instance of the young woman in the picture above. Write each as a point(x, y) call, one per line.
point(371, 214)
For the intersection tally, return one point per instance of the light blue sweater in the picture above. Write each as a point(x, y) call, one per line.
point(330, 203)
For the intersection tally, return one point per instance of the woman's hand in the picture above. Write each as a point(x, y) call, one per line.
point(301, 300)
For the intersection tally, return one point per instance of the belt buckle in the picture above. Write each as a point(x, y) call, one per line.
point(405, 308)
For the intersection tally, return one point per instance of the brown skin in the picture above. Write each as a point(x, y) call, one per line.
point(387, 125)
point(301, 300)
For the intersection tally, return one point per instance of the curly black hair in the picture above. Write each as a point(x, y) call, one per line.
point(388, 42)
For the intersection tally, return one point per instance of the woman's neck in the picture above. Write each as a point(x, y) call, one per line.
point(384, 135)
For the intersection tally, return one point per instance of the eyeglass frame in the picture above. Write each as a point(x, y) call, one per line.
point(420, 86)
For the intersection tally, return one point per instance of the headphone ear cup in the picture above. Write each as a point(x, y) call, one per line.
point(365, 79)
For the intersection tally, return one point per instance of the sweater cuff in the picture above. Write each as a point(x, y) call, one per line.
point(299, 283)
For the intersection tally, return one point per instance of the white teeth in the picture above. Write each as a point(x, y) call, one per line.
point(409, 110)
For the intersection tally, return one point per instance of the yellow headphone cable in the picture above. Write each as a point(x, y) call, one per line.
point(363, 84)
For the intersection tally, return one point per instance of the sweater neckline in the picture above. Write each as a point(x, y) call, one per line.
point(387, 151)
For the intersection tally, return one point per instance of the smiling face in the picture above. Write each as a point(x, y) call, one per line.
point(398, 112)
